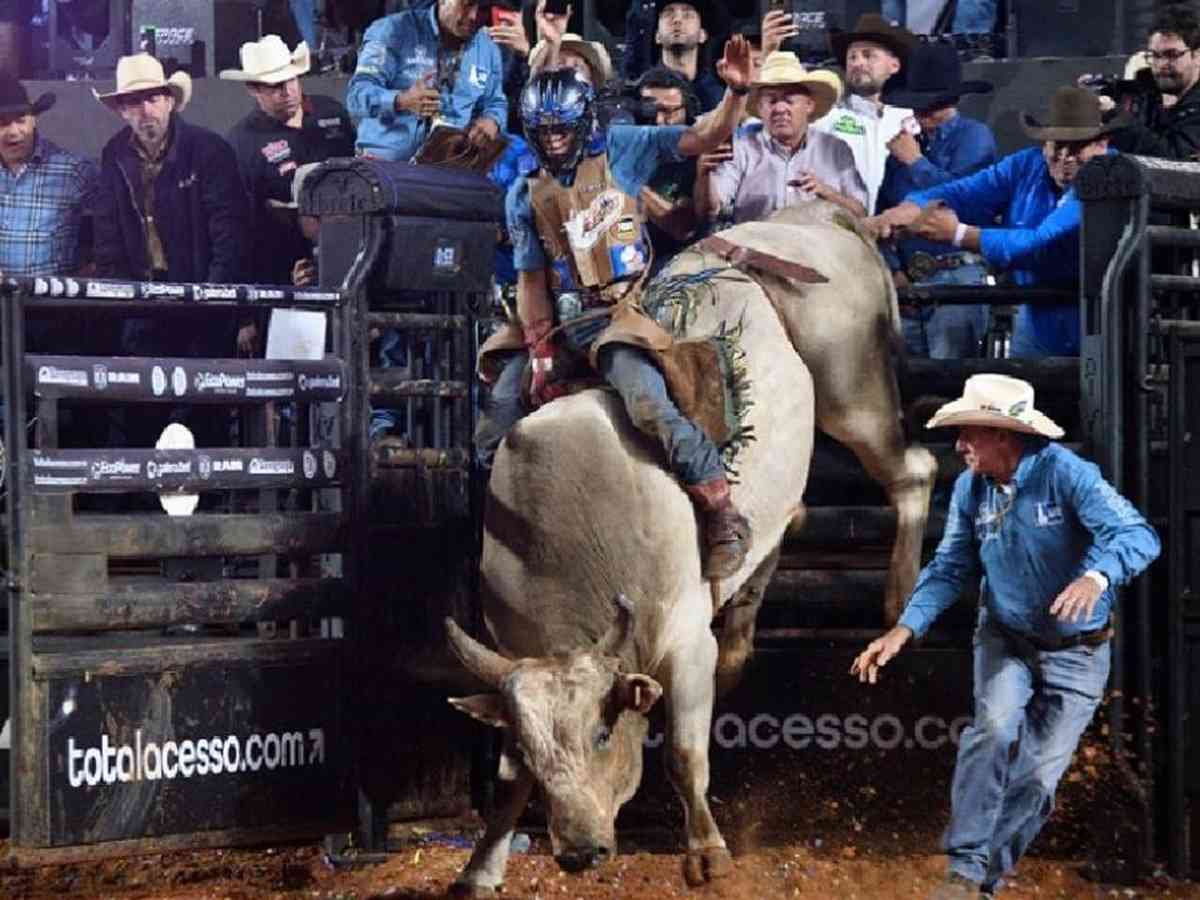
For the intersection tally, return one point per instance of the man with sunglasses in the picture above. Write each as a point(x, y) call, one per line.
point(1173, 129)
point(1037, 242)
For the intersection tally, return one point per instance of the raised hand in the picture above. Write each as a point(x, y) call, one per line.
point(736, 66)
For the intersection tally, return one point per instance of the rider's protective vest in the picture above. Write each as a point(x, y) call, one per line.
point(593, 232)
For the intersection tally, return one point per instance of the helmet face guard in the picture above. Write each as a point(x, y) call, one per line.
point(558, 99)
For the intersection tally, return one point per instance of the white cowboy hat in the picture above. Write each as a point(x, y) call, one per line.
point(142, 72)
point(996, 401)
point(177, 437)
point(594, 52)
point(270, 62)
point(784, 68)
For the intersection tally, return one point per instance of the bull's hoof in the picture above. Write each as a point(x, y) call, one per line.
point(462, 889)
point(703, 866)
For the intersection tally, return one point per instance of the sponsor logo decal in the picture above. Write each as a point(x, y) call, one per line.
point(310, 464)
point(102, 377)
point(320, 382)
point(69, 377)
point(158, 381)
point(228, 465)
point(115, 469)
point(179, 381)
point(111, 291)
point(203, 292)
point(163, 469)
point(277, 151)
point(586, 226)
point(219, 382)
point(272, 466)
point(329, 461)
point(204, 466)
point(154, 289)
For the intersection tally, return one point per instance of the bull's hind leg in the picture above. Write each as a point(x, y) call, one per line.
point(484, 872)
point(735, 642)
point(687, 678)
point(907, 474)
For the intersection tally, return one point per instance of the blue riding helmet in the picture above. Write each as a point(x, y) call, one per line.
point(558, 98)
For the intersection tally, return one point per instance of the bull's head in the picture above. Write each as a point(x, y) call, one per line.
point(576, 723)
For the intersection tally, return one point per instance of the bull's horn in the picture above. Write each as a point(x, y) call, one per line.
point(487, 665)
point(620, 633)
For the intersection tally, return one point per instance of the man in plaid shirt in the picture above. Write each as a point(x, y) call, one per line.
point(43, 190)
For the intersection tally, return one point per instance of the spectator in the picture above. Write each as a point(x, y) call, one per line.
point(424, 64)
point(44, 190)
point(641, 25)
point(870, 54)
point(288, 129)
point(1045, 538)
point(515, 34)
point(170, 204)
point(948, 146)
point(671, 221)
point(1170, 131)
point(781, 161)
point(923, 16)
point(1030, 190)
point(15, 24)
point(304, 13)
point(681, 34)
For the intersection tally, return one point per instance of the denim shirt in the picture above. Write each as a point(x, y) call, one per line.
point(1029, 540)
point(956, 148)
point(397, 51)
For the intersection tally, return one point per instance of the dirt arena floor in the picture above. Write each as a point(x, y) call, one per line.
point(834, 817)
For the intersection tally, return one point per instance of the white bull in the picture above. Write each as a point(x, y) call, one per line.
point(580, 509)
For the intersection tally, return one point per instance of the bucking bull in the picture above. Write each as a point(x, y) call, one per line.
point(581, 510)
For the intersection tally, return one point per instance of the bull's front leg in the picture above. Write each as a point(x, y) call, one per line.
point(687, 677)
point(484, 872)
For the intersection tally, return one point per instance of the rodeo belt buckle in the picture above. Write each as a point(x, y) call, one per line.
point(569, 305)
point(921, 266)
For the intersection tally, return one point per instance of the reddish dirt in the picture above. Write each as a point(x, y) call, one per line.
point(803, 823)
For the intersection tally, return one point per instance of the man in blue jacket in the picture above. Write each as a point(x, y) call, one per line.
point(948, 145)
point(1046, 538)
point(426, 63)
point(1030, 191)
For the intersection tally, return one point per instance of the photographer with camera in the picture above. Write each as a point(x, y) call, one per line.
point(1169, 130)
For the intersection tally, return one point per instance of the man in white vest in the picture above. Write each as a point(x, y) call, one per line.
point(870, 54)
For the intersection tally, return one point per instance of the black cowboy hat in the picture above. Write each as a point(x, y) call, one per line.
point(876, 29)
point(931, 78)
point(14, 99)
point(1075, 115)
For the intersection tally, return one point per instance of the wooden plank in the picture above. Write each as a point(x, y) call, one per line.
point(837, 526)
point(394, 384)
point(151, 535)
point(167, 655)
point(45, 856)
point(945, 377)
point(68, 572)
point(154, 603)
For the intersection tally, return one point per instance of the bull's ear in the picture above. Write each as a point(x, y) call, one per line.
point(638, 692)
point(487, 708)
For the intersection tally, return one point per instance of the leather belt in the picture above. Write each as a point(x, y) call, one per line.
point(922, 265)
point(1093, 638)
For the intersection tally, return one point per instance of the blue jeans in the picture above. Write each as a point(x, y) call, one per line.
point(1059, 323)
point(970, 17)
point(305, 14)
point(948, 332)
point(1040, 701)
point(691, 455)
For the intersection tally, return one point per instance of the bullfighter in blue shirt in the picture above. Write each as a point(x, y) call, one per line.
point(949, 146)
point(425, 63)
point(1046, 538)
point(581, 253)
point(1030, 191)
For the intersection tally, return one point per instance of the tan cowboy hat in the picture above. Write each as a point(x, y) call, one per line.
point(996, 401)
point(874, 28)
point(593, 51)
point(784, 68)
point(1075, 115)
point(270, 62)
point(142, 72)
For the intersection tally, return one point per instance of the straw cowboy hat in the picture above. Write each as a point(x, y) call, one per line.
point(593, 51)
point(931, 78)
point(14, 99)
point(1075, 115)
point(270, 62)
point(876, 29)
point(784, 68)
point(142, 72)
point(996, 401)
